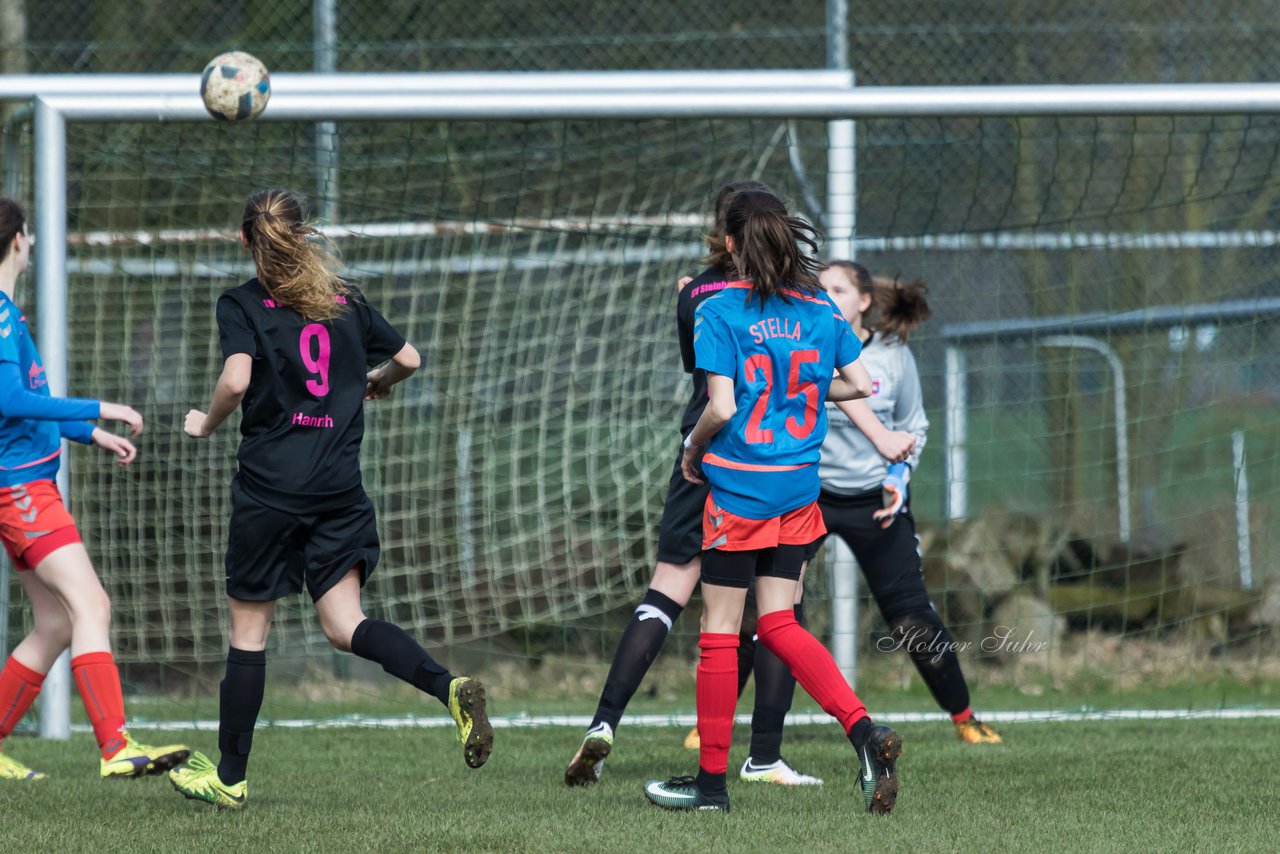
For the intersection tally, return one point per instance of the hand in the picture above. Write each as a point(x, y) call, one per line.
point(895, 445)
point(895, 494)
point(193, 426)
point(376, 386)
point(689, 462)
point(118, 445)
point(683, 281)
point(120, 412)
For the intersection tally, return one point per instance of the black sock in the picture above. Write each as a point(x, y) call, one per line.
point(402, 657)
point(860, 732)
point(639, 645)
point(775, 688)
point(711, 784)
point(933, 652)
point(239, 701)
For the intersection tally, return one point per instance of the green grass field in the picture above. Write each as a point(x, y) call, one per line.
point(1133, 786)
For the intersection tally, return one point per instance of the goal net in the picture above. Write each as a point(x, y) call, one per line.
point(519, 476)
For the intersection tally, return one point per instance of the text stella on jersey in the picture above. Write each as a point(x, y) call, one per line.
point(775, 327)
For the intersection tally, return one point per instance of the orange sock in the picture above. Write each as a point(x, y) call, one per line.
point(98, 679)
point(19, 686)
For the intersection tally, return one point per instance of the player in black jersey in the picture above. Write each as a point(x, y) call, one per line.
point(299, 344)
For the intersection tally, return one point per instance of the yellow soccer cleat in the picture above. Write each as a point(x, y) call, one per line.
point(198, 780)
point(693, 741)
point(467, 707)
point(139, 760)
point(12, 769)
point(974, 731)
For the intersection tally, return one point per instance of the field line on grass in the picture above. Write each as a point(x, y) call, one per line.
point(519, 721)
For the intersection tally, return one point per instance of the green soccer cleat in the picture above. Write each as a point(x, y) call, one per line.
point(198, 781)
point(12, 769)
point(139, 760)
point(878, 760)
point(588, 762)
point(682, 793)
point(466, 706)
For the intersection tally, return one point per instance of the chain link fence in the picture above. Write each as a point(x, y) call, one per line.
point(890, 43)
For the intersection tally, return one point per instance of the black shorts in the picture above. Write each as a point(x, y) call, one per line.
point(739, 569)
point(270, 552)
point(680, 535)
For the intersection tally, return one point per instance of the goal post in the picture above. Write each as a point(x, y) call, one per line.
point(540, 460)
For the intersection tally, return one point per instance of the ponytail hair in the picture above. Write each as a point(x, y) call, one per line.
point(12, 222)
point(900, 307)
point(717, 254)
point(296, 271)
point(767, 245)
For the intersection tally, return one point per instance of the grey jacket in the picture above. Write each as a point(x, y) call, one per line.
point(850, 463)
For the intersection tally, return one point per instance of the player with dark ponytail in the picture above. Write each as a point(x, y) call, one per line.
point(769, 344)
point(864, 497)
point(303, 350)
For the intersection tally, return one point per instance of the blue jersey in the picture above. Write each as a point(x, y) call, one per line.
point(781, 354)
point(31, 443)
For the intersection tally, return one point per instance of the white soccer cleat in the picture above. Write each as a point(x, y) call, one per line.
point(780, 773)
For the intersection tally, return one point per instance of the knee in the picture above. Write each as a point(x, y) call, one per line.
point(339, 632)
point(92, 609)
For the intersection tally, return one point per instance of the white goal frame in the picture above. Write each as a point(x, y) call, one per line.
point(814, 94)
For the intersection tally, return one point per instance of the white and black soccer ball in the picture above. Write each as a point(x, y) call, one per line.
point(235, 87)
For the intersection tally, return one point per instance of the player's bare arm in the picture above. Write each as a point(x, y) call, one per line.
point(721, 407)
point(894, 445)
point(233, 383)
point(402, 366)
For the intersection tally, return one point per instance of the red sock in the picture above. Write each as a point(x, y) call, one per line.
point(717, 698)
point(19, 686)
point(99, 683)
point(962, 716)
point(812, 665)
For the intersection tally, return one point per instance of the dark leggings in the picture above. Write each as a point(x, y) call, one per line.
point(890, 562)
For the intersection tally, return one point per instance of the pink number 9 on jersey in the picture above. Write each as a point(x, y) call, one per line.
point(318, 364)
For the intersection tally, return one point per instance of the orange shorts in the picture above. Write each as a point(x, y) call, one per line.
point(34, 522)
point(727, 532)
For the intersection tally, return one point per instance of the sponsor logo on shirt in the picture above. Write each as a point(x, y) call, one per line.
point(709, 287)
point(875, 386)
point(322, 421)
point(35, 376)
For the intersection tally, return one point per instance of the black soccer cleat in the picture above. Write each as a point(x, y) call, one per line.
point(878, 759)
point(682, 793)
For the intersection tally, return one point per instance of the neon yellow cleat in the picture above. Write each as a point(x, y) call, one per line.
point(975, 731)
point(693, 741)
point(12, 769)
point(467, 707)
point(139, 760)
point(198, 780)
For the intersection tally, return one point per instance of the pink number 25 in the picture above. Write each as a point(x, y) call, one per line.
point(318, 364)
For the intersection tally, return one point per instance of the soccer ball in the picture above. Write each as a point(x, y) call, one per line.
point(235, 87)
